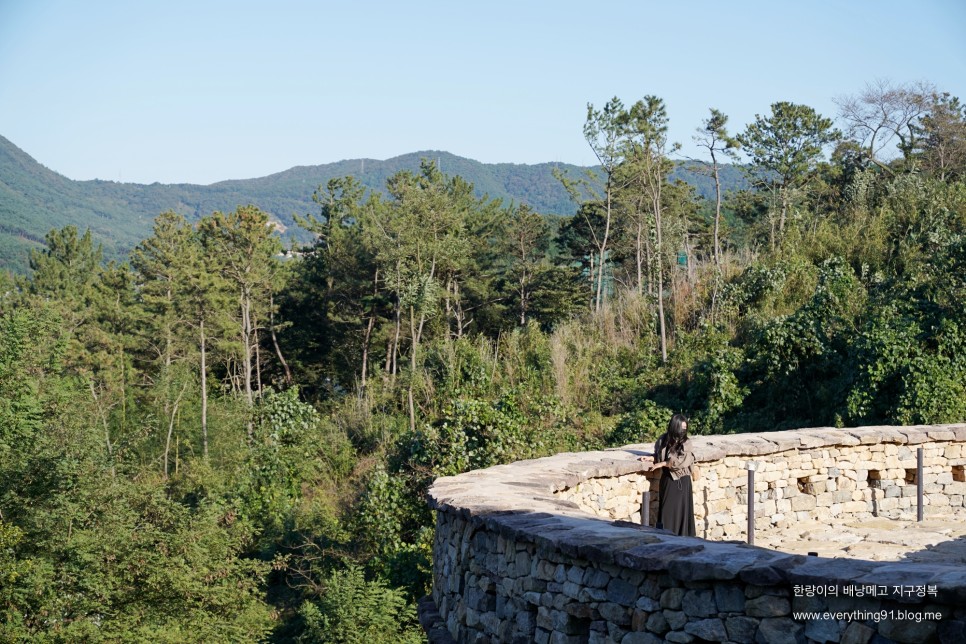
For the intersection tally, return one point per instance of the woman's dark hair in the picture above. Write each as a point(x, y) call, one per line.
point(677, 433)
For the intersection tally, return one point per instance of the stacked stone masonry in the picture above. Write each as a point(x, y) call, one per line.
point(854, 480)
point(552, 550)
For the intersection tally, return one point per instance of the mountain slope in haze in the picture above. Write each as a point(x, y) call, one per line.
point(34, 199)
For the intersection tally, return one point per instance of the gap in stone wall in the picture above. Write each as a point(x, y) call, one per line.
point(805, 486)
point(874, 479)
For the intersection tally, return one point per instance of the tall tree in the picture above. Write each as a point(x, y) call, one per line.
point(419, 237)
point(350, 280)
point(66, 271)
point(243, 247)
point(527, 241)
point(605, 133)
point(786, 148)
point(159, 263)
point(67, 277)
point(112, 340)
point(162, 274)
point(884, 113)
point(646, 127)
point(186, 297)
point(941, 138)
point(713, 136)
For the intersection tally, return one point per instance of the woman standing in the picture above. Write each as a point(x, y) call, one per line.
point(672, 452)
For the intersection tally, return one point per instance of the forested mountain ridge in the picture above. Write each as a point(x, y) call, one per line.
point(35, 199)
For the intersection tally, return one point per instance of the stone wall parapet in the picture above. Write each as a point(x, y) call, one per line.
point(518, 556)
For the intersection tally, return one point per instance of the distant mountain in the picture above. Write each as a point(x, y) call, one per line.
point(34, 199)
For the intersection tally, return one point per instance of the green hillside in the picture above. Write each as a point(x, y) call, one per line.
point(34, 199)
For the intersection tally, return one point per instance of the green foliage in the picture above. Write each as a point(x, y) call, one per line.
point(789, 142)
point(786, 149)
point(800, 360)
point(21, 412)
point(381, 512)
point(717, 391)
point(353, 610)
point(882, 349)
point(934, 387)
point(289, 447)
point(941, 138)
point(14, 568)
point(392, 527)
point(98, 557)
point(909, 368)
point(471, 434)
point(754, 285)
point(642, 425)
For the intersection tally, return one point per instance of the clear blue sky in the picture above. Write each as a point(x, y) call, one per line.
point(201, 91)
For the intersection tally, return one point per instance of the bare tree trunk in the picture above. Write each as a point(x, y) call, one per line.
point(717, 210)
point(365, 349)
point(448, 309)
point(107, 429)
point(246, 339)
point(258, 357)
point(461, 322)
point(781, 221)
point(659, 252)
point(422, 313)
point(419, 329)
point(660, 310)
point(660, 314)
point(639, 257)
point(171, 417)
point(367, 338)
point(717, 238)
point(649, 258)
point(412, 366)
point(593, 288)
point(388, 366)
point(395, 343)
point(278, 349)
point(204, 390)
point(246, 333)
point(603, 254)
point(233, 376)
point(523, 304)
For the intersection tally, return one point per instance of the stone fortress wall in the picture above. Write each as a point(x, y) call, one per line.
point(826, 474)
point(551, 550)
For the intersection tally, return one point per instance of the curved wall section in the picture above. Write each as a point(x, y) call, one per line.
point(829, 475)
point(549, 550)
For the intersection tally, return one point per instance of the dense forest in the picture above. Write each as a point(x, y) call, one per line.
point(221, 439)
